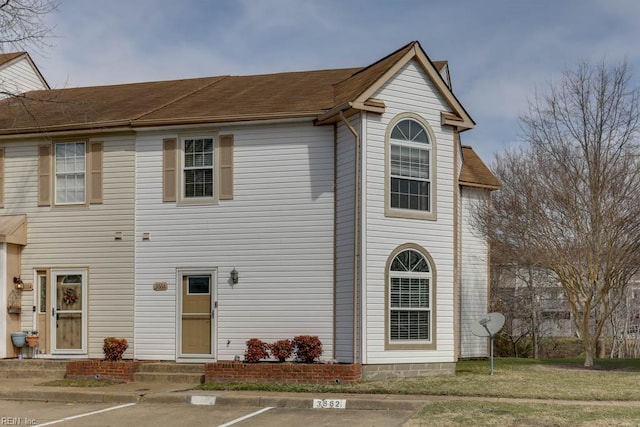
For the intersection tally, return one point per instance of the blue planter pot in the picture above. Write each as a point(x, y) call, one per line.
point(19, 339)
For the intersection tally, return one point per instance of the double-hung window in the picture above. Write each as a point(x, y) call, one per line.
point(198, 168)
point(410, 299)
point(410, 170)
point(70, 173)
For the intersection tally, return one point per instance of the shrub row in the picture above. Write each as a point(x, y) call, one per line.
point(306, 348)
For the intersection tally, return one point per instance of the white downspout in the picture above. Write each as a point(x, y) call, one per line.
point(356, 238)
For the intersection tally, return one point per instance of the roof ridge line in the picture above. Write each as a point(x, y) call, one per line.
point(216, 80)
point(376, 62)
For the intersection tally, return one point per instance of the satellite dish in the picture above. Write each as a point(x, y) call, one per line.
point(488, 325)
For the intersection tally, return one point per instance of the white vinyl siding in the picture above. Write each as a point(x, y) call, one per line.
point(474, 277)
point(277, 232)
point(409, 91)
point(18, 77)
point(345, 193)
point(80, 237)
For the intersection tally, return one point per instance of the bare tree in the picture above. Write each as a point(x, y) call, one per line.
point(22, 23)
point(569, 200)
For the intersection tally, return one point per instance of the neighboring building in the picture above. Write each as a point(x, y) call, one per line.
point(18, 74)
point(536, 296)
point(191, 215)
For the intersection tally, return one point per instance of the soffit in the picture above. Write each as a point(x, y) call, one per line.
point(13, 229)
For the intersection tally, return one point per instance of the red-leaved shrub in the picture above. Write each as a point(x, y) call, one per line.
point(281, 349)
point(114, 348)
point(256, 350)
point(308, 348)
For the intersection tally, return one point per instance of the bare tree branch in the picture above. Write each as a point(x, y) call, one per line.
point(22, 23)
point(569, 201)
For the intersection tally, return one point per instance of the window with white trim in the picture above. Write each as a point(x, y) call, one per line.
point(409, 298)
point(410, 167)
point(70, 172)
point(198, 168)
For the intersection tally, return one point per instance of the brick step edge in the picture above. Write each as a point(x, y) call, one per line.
point(168, 377)
point(171, 368)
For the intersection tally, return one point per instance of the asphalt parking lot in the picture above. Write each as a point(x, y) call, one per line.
point(143, 414)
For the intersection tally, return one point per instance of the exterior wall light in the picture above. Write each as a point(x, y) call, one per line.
point(17, 281)
point(234, 276)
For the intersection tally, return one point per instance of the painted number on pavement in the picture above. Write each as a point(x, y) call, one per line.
point(329, 403)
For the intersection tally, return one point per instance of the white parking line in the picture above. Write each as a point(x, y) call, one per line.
point(237, 420)
point(86, 414)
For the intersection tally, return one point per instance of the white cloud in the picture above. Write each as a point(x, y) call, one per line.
point(498, 50)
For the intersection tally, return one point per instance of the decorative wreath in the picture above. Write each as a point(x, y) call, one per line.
point(69, 296)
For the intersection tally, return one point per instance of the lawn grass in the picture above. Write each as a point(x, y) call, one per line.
point(611, 379)
point(477, 413)
point(80, 383)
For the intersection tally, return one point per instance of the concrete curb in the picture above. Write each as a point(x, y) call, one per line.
point(293, 401)
point(259, 399)
point(68, 396)
point(219, 398)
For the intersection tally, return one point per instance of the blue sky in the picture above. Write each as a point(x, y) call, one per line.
point(499, 51)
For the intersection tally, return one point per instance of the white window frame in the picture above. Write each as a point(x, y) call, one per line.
point(215, 168)
point(397, 212)
point(65, 174)
point(411, 344)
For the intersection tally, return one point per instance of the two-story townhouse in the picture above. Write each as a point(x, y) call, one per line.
point(189, 216)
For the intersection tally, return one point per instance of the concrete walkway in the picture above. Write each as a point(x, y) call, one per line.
point(31, 389)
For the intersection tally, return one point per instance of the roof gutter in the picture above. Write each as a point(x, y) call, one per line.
point(145, 125)
point(478, 185)
point(61, 132)
point(356, 237)
point(214, 120)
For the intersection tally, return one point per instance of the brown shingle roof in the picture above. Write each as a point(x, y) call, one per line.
point(474, 172)
point(92, 107)
point(280, 95)
point(190, 101)
point(352, 87)
point(6, 57)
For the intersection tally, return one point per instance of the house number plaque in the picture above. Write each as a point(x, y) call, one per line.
point(160, 286)
point(329, 403)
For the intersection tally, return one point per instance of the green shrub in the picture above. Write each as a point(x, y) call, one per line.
point(503, 346)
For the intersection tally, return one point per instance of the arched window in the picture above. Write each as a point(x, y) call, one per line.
point(410, 297)
point(410, 167)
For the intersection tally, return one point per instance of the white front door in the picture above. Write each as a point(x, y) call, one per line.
point(197, 310)
point(68, 334)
